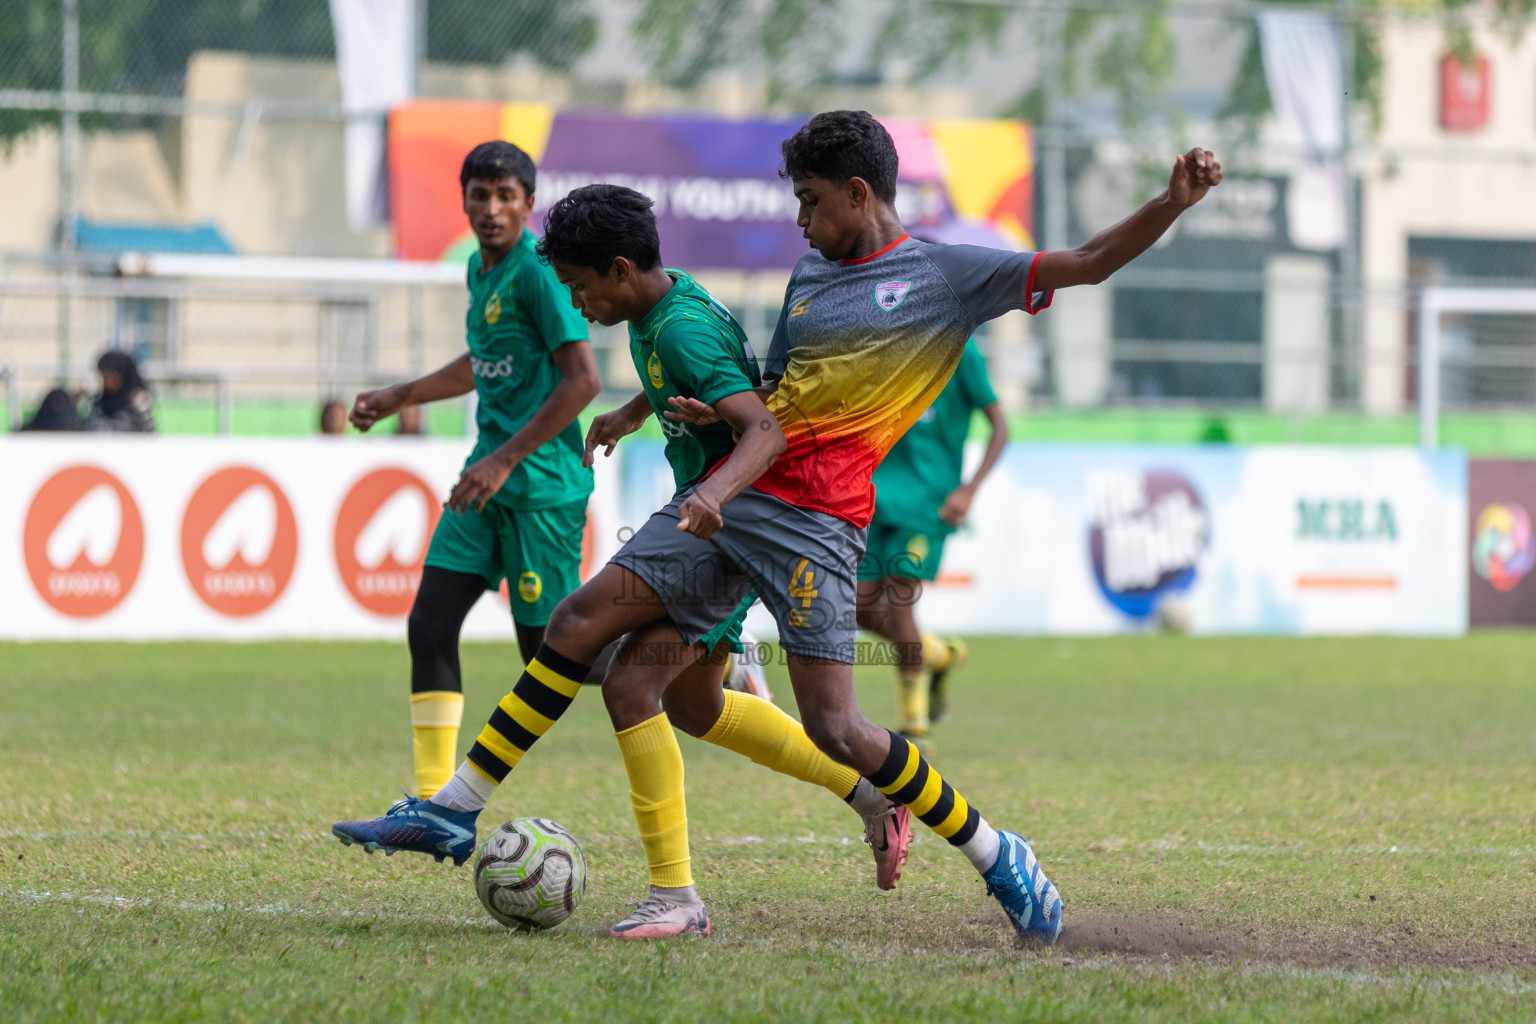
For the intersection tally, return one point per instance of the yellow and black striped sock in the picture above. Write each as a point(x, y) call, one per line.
point(908, 778)
point(543, 692)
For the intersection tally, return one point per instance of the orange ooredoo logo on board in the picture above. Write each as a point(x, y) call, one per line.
point(382, 531)
point(83, 541)
point(239, 541)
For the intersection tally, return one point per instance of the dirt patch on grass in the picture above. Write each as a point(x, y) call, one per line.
point(1175, 938)
point(1153, 938)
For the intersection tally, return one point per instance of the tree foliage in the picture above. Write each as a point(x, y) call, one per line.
point(552, 33)
point(143, 46)
point(1130, 50)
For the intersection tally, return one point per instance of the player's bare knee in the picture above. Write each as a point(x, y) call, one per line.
point(685, 713)
point(573, 616)
point(833, 735)
point(628, 701)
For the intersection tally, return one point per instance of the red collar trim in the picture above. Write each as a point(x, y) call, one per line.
point(876, 255)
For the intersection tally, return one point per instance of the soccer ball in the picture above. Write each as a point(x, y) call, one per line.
point(530, 874)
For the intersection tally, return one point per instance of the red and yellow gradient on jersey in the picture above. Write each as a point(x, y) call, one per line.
point(841, 414)
point(863, 347)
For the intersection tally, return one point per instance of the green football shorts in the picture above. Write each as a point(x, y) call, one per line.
point(538, 553)
point(901, 552)
point(729, 631)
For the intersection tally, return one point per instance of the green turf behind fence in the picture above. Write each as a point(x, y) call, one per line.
point(1490, 435)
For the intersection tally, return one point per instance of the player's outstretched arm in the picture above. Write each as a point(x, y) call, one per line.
point(448, 382)
point(1194, 174)
point(760, 442)
point(691, 410)
point(957, 505)
point(578, 385)
point(608, 428)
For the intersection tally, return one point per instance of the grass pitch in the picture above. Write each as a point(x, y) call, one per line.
point(1241, 830)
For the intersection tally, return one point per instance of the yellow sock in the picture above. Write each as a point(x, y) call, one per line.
point(655, 766)
point(758, 729)
point(912, 699)
point(936, 653)
point(435, 717)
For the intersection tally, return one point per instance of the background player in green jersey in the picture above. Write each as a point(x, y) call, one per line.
point(919, 501)
point(520, 506)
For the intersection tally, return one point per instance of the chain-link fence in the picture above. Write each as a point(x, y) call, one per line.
point(223, 124)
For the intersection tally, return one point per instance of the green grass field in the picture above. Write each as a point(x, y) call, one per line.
point(1241, 830)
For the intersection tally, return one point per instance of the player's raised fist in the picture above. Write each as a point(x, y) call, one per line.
point(371, 406)
point(699, 515)
point(1194, 174)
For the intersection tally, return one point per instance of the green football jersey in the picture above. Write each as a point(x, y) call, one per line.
point(689, 346)
point(519, 313)
point(925, 465)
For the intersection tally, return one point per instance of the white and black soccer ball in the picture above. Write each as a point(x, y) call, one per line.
point(530, 874)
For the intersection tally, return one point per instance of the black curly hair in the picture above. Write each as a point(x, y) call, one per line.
point(595, 224)
point(841, 144)
point(492, 161)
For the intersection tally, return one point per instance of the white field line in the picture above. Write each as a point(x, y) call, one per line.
point(1113, 845)
point(260, 835)
point(1508, 984)
point(257, 909)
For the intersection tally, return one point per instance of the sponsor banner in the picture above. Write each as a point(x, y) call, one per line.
point(719, 200)
point(151, 538)
point(117, 537)
point(1083, 539)
point(1501, 495)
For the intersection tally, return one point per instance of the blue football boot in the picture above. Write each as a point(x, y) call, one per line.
point(417, 825)
point(1028, 898)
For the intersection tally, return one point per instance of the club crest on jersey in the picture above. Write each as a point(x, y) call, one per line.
point(529, 587)
point(653, 370)
point(890, 294)
point(493, 309)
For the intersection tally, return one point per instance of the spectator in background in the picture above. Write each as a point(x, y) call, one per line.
point(124, 403)
point(333, 417)
point(410, 424)
point(57, 411)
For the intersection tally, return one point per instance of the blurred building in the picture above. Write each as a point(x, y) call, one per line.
point(1229, 313)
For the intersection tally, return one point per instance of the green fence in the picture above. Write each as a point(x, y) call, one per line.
point(1487, 435)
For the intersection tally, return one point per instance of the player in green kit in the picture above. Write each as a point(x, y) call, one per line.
point(520, 506)
point(919, 501)
point(602, 242)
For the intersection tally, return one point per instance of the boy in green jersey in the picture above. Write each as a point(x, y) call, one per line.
point(520, 506)
point(919, 501)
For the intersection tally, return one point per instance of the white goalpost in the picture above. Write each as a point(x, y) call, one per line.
point(1434, 304)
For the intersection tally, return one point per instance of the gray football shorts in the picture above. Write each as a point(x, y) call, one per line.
point(803, 565)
